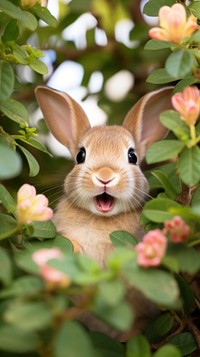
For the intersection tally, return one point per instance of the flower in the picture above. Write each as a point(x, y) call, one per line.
point(32, 207)
point(152, 249)
point(177, 229)
point(53, 276)
point(187, 103)
point(174, 25)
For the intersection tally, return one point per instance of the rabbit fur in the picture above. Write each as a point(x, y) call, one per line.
point(105, 191)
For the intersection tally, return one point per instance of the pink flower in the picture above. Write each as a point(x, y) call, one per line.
point(187, 104)
point(32, 207)
point(152, 249)
point(177, 229)
point(174, 25)
point(53, 276)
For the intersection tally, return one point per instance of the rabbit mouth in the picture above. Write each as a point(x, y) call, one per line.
point(104, 202)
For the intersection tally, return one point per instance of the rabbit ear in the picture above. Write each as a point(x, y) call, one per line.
point(65, 118)
point(143, 119)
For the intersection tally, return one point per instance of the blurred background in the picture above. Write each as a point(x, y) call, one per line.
point(96, 54)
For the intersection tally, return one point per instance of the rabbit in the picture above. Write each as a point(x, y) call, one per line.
point(106, 189)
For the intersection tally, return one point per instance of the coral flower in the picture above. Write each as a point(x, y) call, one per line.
point(187, 103)
point(152, 249)
point(32, 207)
point(178, 230)
point(53, 276)
point(174, 25)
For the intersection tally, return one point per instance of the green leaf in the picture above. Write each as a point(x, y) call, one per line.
point(166, 184)
point(155, 45)
point(44, 14)
point(159, 209)
point(19, 53)
point(38, 66)
point(7, 79)
point(15, 110)
point(138, 346)
point(186, 213)
point(36, 144)
point(119, 316)
point(77, 6)
point(188, 258)
point(163, 150)
point(159, 327)
point(10, 162)
point(22, 341)
point(11, 31)
point(61, 242)
point(73, 338)
point(119, 257)
point(152, 7)
point(33, 164)
point(15, 12)
point(157, 285)
point(24, 259)
point(111, 292)
point(106, 346)
point(160, 76)
point(189, 165)
point(179, 63)
point(44, 229)
point(23, 286)
point(185, 342)
point(195, 201)
point(6, 199)
point(8, 226)
point(167, 351)
point(29, 316)
point(195, 9)
point(123, 239)
point(5, 267)
point(188, 81)
point(81, 269)
point(187, 294)
point(171, 120)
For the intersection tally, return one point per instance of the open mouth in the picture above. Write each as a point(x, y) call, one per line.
point(104, 202)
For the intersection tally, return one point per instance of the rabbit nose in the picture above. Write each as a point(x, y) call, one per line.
point(105, 176)
point(105, 182)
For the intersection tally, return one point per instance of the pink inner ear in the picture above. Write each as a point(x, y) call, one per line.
point(57, 114)
point(65, 118)
point(143, 120)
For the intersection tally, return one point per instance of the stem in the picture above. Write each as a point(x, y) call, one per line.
point(193, 134)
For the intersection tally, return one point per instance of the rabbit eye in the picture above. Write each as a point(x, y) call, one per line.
point(80, 158)
point(132, 157)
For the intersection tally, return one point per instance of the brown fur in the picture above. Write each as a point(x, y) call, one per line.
point(77, 216)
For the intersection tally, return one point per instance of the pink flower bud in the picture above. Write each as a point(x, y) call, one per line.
point(52, 276)
point(187, 103)
point(32, 207)
point(152, 249)
point(174, 25)
point(177, 229)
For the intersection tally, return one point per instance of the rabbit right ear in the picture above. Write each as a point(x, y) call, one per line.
point(143, 119)
point(65, 118)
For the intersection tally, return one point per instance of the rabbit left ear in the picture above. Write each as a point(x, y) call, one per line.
point(143, 119)
point(65, 118)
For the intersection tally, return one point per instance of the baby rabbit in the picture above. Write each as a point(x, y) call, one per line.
point(105, 191)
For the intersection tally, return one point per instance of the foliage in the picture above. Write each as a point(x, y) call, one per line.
point(37, 314)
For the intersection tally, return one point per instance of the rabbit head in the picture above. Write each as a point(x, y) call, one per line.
point(106, 179)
